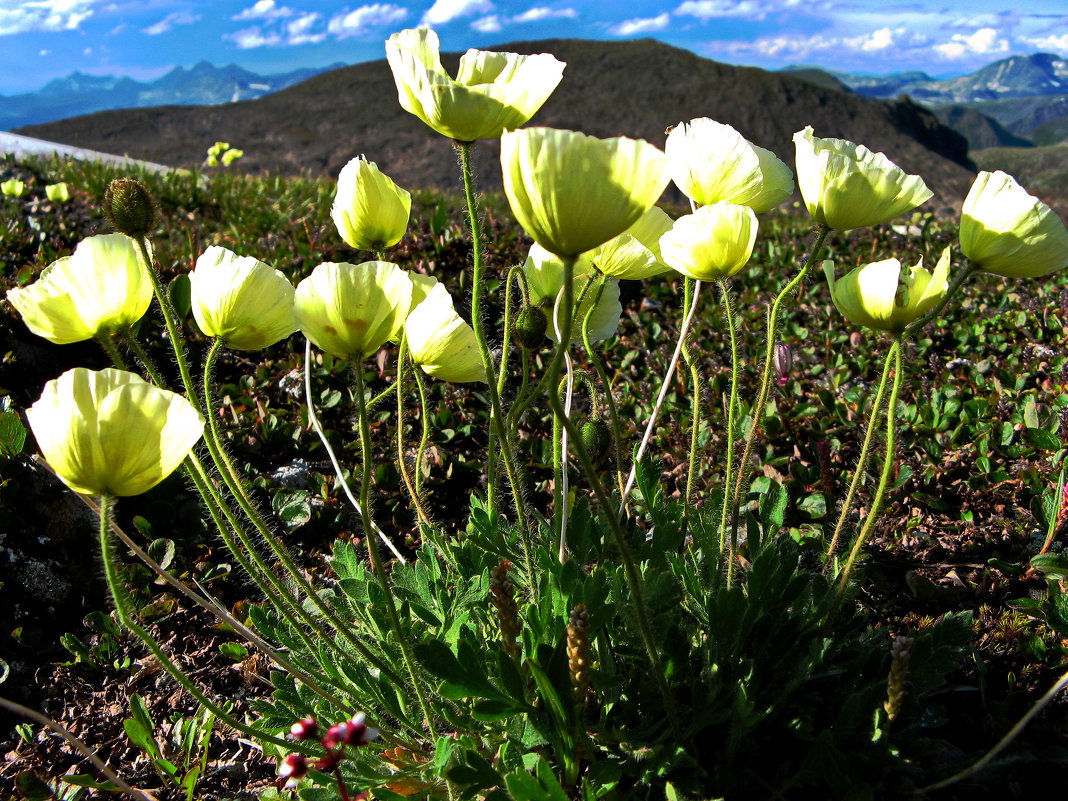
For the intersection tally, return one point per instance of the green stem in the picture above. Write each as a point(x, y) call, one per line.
point(765, 380)
point(402, 460)
point(372, 547)
point(884, 479)
point(424, 432)
point(497, 420)
point(695, 409)
point(865, 455)
point(609, 396)
point(126, 617)
point(108, 344)
point(630, 567)
point(732, 408)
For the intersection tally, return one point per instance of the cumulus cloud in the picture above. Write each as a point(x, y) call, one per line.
point(1058, 44)
point(170, 21)
point(447, 10)
point(44, 15)
point(983, 41)
point(264, 9)
point(365, 18)
point(875, 41)
point(641, 25)
point(711, 9)
point(490, 24)
point(251, 38)
point(299, 31)
point(538, 13)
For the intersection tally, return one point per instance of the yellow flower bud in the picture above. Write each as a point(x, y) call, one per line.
point(442, 343)
point(1006, 231)
point(101, 287)
point(351, 310)
point(493, 92)
point(573, 192)
point(714, 242)
point(246, 302)
point(710, 162)
point(545, 281)
point(110, 432)
point(57, 193)
point(370, 211)
point(12, 188)
point(635, 253)
point(845, 185)
point(887, 296)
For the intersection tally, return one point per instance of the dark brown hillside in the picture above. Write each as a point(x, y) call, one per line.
point(610, 88)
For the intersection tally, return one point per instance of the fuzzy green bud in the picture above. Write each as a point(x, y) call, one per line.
point(530, 325)
point(130, 208)
point(595, 437)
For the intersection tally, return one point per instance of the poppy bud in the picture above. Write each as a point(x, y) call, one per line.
point(530, 327)
point(129, 208)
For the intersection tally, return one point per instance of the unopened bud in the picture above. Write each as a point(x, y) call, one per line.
point(784, 362)
point(304, 729)
point(900, 654)
point(530, 326)
point(129, 208)
point(595, 437)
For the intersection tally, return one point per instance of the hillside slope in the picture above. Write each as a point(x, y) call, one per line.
point(635, 88)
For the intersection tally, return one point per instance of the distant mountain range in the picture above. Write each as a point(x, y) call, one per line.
point(1020, 101)
point(632, 88)
point(202, 85)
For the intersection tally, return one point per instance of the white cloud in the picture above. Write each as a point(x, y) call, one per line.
point(641, 25)
point(364, 18)
point(44, 52)
point(710, 9)
point(299, 31)
point(250, 38)
point(169, 21)
point(1057, 44)
point(539, 13)
point(978, 21)
point(44, 15)
point(983, 41)
point(490, 24)
point(447, 10)
point(264, 9)
point(874, 41)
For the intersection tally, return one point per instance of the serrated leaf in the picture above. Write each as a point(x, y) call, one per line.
point(12, 434)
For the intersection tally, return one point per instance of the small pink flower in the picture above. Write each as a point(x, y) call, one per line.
point(292, 768)
point(304, 729)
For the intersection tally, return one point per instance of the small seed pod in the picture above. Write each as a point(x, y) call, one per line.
point(530, 326)
point(578, 651)
point(129, 208)
point(595, 437)
point(502, 596)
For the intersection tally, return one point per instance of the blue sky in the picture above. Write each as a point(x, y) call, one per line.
point(45, 39)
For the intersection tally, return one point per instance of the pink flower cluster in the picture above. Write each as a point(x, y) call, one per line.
point(353, 732)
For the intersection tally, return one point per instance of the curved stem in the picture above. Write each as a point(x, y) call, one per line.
point(732, 407)
point(497, 423)
point(118, 594)
point(630, 567)
point(660, 398)
point(372, 549)
point(865, 455)
point(424, 431)
point(695, 409)
point(402, 460)
point(609, 396)
point(77, 745)
point(884, 480)
point(765, 380)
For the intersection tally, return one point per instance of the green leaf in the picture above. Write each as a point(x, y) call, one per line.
point(1051, 565)
point(12, 434)
point(180, 294)
point(139, 736)
point(1043, 439)
point(84, 780)
point(162, 551)
point(233, 651)
point(32, 788)
point(292, 508)
point(773, 507)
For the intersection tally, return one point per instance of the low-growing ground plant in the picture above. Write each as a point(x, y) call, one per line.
point(586, 630)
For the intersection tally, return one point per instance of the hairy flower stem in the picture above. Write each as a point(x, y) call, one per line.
point(402, 460)
point(108, 344)
point(366, 470)
point(609, 396)
point(862, 462)
point(126, 617)
point(759, 406)
point(630, 567)
point(884, 480)
point(732, 407)
point(77, 745)
point(696, 400)
point(424, 430)
point(498, 428)
point(217, 507)
point(649, 426)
